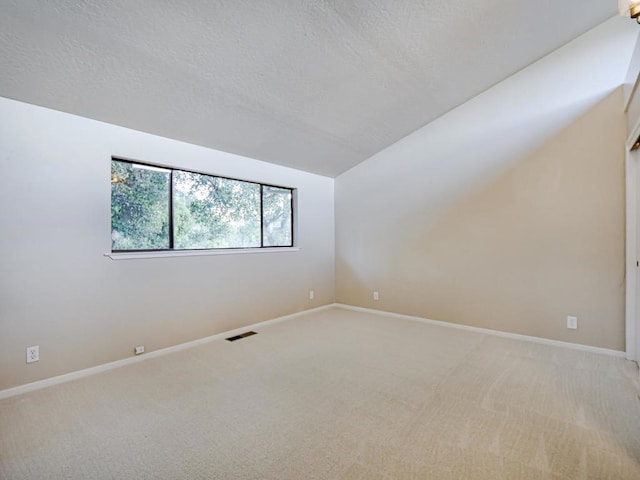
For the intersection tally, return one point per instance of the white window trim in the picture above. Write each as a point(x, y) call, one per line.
point(197, 253)
point(632, 320)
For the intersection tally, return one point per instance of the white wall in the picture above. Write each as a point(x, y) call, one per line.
point(631, 94)
point(632, 72)
point(59, 291)
point(507, 212)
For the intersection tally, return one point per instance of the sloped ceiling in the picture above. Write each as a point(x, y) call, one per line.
point(317, 85)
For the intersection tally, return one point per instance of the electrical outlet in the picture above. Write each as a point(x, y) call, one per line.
point(139, 349)
point(33, 354)
point(312, 295)
point(572, 322)
point(376, 295)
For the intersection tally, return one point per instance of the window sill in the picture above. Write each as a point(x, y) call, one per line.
point(197, 253)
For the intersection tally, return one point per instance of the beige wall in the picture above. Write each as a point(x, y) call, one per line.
point(543, 241)
point(59, 291)
point(507, 213)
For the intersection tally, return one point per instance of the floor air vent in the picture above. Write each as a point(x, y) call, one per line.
point(242, 335)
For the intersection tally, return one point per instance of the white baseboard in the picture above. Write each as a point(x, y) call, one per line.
point(67, 377)
point(497, 333)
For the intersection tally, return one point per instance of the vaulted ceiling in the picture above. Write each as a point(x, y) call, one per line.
point(318, 85)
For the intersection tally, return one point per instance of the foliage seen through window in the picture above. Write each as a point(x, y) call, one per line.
point(206, 212)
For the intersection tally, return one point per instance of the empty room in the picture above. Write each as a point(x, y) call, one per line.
point(369, 239)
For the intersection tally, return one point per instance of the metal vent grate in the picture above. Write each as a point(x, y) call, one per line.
point(242, 335)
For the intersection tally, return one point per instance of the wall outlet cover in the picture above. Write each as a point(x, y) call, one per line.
point(33, 354)
point(139, 349)
point(572, 322)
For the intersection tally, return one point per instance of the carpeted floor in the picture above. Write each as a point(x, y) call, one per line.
point(336, 395)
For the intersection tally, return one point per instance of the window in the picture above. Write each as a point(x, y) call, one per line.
point(157, 208)
point(276, 216)
point(140, 207)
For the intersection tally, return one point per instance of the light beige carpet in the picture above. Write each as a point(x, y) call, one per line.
point(336, 395)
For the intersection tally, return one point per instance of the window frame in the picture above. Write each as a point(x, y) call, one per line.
point(185, 251)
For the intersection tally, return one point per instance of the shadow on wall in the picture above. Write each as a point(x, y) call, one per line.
point(514, 236)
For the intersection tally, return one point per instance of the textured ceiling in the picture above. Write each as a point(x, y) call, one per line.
point(317, 85)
